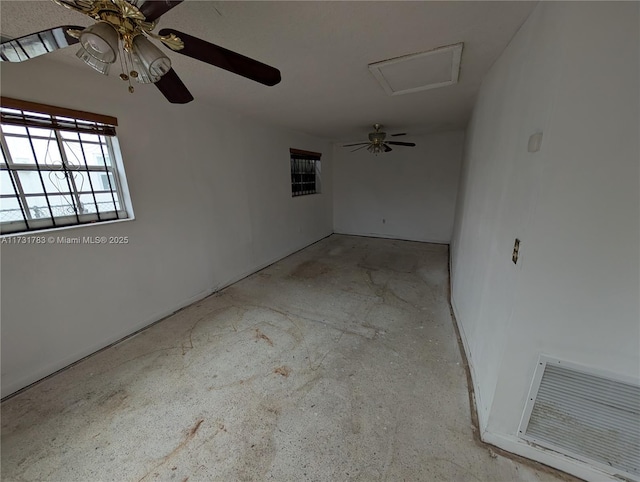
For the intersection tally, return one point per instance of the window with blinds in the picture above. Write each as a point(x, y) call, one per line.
point(58, 168)
point(305, 172)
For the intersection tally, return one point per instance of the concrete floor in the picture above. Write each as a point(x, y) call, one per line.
point(337, 363)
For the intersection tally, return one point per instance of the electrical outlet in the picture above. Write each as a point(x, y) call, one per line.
point(516, 251)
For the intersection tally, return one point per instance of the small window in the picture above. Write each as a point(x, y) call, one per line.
point(57, 168)
point(305, 172)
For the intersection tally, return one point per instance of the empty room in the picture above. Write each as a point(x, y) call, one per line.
point(319, 241)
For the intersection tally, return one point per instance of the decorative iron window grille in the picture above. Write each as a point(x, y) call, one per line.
point(305, 172)
point(56, 170)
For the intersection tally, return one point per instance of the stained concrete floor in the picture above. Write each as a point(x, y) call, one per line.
point(337, 363)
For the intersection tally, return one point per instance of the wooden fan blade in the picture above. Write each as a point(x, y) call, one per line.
point(387, 148)
point(37, 44)
point(357, 148)
point(173, 89)
point(399, 134)
point(225, 59)
point(396, 143)
point(154, 9)
point(357, 144)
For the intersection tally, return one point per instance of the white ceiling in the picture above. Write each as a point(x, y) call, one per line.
point(322, 49)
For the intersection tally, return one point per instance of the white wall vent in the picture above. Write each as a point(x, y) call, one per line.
point(415, 72)
point(585, 414)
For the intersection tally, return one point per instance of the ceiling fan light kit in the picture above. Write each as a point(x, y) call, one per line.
point(100, 40)
point(149, 59)
point(144, 62)
point(91, 61)
point(123, 30)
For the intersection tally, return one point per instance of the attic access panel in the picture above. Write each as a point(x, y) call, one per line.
point(422, 71)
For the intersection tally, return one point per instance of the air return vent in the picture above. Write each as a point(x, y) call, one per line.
point(585, 415)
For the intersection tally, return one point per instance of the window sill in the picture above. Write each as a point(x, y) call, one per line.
point(305, 195)
point(40, 232)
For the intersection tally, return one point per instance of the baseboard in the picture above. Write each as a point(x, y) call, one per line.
point(547, 457)
point(514, 445)
point(482, 419)
point(392, 236)
point(24, 383)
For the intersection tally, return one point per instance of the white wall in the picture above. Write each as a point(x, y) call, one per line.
point(212, 198)
point(572, 73)
point(408, 193)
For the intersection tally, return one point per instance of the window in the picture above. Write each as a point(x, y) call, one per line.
point(57, 168)
point(305, 172)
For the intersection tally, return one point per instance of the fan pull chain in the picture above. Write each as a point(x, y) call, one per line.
point(124, 67)
point(129, 63)
point(132, 73)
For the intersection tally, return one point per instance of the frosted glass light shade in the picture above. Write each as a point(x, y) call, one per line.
point(91, 61)
point(150, 61)
point(100, 40)
point(143, 77)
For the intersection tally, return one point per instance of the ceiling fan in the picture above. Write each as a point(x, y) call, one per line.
point(377, 142)
point(125, 26)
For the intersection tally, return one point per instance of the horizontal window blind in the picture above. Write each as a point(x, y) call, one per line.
point(31, 114)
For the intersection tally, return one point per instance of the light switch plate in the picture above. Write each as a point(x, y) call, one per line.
point(516, 251)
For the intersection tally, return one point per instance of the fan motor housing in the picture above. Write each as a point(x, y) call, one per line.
point(377, 137)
